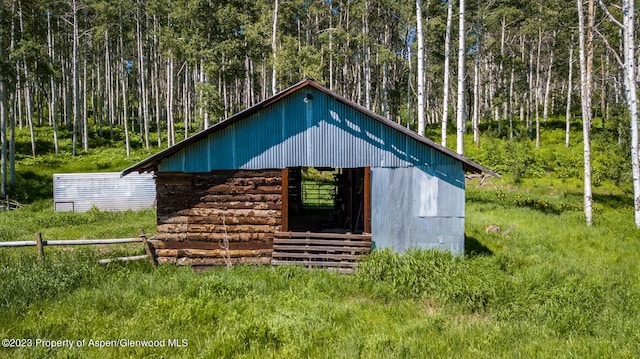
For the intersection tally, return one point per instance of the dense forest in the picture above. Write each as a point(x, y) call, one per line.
point(153, 72)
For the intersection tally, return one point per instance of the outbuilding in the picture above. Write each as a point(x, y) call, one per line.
point(237, 192)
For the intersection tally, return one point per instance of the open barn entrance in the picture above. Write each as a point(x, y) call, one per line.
point(326, 200)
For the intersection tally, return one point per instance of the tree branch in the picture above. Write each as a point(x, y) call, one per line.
point(606, 43)
point(609, 15)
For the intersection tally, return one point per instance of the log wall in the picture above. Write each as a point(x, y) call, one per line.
point(197, 211)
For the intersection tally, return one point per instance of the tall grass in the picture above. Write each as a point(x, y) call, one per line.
point(546, 286)
point(290, 312)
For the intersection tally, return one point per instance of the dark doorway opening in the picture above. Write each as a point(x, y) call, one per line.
point(331, 200)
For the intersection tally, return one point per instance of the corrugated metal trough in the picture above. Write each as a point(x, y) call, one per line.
point(107, 191)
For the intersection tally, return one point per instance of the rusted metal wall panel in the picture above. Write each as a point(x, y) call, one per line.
point(107, 191)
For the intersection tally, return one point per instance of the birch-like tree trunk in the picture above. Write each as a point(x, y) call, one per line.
point(628, 8)
point(123, 83)
point(155, 82)
point(3, 124)
point(12, 118)
point(52, 85)
point(536, 94)
point(143, 84)
point(584, 41)
point(274, 48)
point(331, 30)
point(460, 115)
point(631, 92)
point(27, 89)
point(511, 99)
point(420, 73)
point(569, 95)
point(367, 57)
point(169, 103)
point(603, 88)
point(74, 76)
point(185, 99)
point(205, 101)
point(85, 95)
point(475, 119)
point(447, 60)
point(108, 85)
point(547, 88)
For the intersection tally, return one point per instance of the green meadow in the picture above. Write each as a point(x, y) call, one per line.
point(544, 286)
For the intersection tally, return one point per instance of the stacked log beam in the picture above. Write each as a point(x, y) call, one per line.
point(202, 210)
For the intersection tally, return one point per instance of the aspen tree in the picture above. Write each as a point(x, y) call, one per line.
point(420, 68)
point(460, 114)
point(445, 85)
point(585, 51)
point(629, 67)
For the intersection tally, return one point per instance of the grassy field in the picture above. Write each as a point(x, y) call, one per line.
point(545, 286)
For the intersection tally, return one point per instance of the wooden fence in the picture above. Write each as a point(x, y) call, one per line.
point(7, 204)
point(40, 243)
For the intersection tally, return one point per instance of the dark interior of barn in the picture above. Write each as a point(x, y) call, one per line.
point(326, 200)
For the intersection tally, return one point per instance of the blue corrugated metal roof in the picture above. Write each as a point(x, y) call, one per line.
point(292, 130)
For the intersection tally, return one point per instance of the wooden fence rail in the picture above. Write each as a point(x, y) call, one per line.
point(39, 243)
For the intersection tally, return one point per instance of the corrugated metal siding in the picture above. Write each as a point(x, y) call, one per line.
point(106, 190)
point(411, 208)
point(322, 132)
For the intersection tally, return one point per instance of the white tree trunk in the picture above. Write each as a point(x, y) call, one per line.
point(274, 48)
point(461, 80)
point(476, 96)
point(569, 95)
point(537, 90)
point(27, 89)
point(85, 111)
point(155, 83)
point(447, 60)
point(108, 84)
point(185, 99)
point(511, 83)
point(123, 83)
point(74, 74)
point(169, 102)
point(420, 74)
point(143, 82)
point(367, 57)
point(547, 88)
point(3, 125)
point(52, 86)
point(632, 99)
point(585, 93)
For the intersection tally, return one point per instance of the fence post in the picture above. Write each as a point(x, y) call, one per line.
point(40, 246)
point(147, 249)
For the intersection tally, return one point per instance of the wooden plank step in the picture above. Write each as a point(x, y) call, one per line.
point(322, 242)
point(284, 248)
point(314, 264)
point(338, 257)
